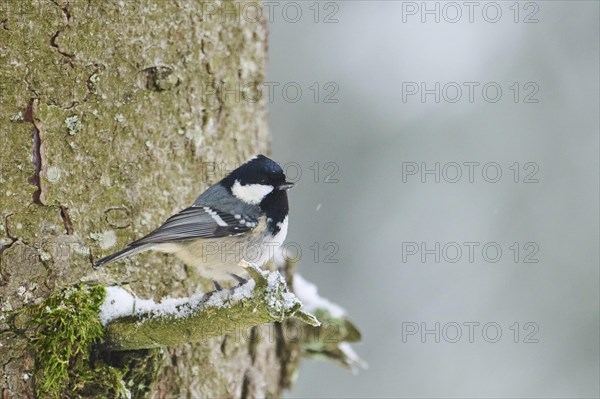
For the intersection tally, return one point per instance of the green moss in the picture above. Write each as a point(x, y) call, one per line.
point(66, 326)
point(142, 368)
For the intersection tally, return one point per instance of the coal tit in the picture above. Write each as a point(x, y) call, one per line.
point(242, 218)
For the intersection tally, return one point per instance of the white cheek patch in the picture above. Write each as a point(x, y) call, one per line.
point(251, 193)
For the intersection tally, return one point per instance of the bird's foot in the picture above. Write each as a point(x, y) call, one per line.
point(239, 279)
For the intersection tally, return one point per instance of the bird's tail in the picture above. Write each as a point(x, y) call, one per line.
point(124, 253)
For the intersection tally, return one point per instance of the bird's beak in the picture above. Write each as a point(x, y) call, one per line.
point(286, 186)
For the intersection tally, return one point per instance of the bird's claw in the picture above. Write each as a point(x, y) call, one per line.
point(239, 279)
point(217, 285)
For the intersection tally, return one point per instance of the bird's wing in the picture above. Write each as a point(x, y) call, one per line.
point(197, 222)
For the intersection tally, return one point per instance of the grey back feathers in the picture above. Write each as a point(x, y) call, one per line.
point(220, 195)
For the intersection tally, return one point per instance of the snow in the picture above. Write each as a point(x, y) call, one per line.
point(243, 292)
point(118, 303)
point(275, 282)
point(307, 293)
point(352, 358)
point(223, 298)
point(121, 303)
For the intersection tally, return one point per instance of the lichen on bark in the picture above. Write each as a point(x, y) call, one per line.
point(106, 112)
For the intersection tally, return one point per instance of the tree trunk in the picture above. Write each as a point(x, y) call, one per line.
point(113, 116)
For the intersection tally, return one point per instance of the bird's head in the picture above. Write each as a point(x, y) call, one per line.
point(253, 181)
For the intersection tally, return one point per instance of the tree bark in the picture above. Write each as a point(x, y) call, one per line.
point(114, 115)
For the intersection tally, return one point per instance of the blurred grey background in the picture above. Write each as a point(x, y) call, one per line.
point(372, 56)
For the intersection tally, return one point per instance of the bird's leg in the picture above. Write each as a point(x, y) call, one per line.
point(217, 285)
point(239, 279)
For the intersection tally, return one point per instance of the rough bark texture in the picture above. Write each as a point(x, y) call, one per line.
point(109, 123)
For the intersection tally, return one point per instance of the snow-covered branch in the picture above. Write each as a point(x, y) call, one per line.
point(131, 323)
point(331, 340)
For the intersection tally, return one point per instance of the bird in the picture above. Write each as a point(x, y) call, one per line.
point(241, 219)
